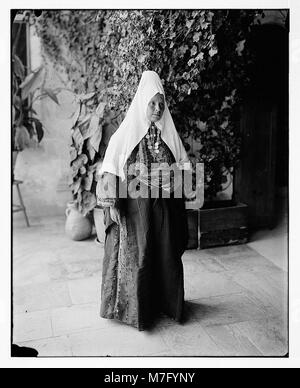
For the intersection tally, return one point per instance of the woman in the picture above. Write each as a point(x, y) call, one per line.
point(146, 235)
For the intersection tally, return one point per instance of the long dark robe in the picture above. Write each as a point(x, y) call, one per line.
point(142, 267)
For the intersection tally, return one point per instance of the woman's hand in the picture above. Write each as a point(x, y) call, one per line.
point(114, 214)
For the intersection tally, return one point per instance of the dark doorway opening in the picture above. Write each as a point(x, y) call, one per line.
point(262, 178)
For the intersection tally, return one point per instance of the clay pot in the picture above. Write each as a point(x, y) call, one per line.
point(78, 227)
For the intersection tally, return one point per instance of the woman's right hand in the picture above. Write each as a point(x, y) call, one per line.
point(114, 214)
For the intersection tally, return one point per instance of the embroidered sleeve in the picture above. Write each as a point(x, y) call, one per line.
point(107, 190)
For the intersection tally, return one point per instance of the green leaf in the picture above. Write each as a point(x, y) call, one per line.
point(84, 120)
point(203, 23)
point(17, 102)
point(100, 109)
point(96, 139)
point(92, 168)
point(74, 173)
point(196, 37)
point(85, 97)
point(224, 124)
point(240, 47)
point(93, 126)
point(75, 116)
point(38, 128)
point(191, 61)
point(141, 58)
point(51, 94)
point(194, 50)
point(201, 125)
point(32, 82)
point(194, 86)
point(87, 182)
point(77, 137)
point(189, 23)
point(88, 202)
point(79, 162)
point(94, 121)
point(22, 138)
point(82, 170)
point(73, 153)
point(183, 49)
point(76, 185)
point(84, 130)
point(213, 51)
point(199, 57)
point(90, 149)
point(18, 67)
point(70, 179)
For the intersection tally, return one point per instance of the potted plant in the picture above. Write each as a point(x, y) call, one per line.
point(86, 135)
point(27, 88)
point(89, 138)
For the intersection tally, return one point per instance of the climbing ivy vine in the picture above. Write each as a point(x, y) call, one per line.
point(201, 56)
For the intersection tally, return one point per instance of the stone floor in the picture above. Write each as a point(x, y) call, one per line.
point(236, 299)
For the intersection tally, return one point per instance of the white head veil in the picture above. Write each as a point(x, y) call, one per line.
point(135, 126)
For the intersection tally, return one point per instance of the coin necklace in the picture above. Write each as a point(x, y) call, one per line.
point(153, 140)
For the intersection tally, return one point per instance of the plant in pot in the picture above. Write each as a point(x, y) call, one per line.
point(27, 129)
point(82, 154)
point(27, 88)
point(89, 138)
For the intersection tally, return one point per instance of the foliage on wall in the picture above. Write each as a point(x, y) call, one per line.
point(200, 55)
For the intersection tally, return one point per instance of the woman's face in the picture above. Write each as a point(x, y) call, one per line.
point(155, 108)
